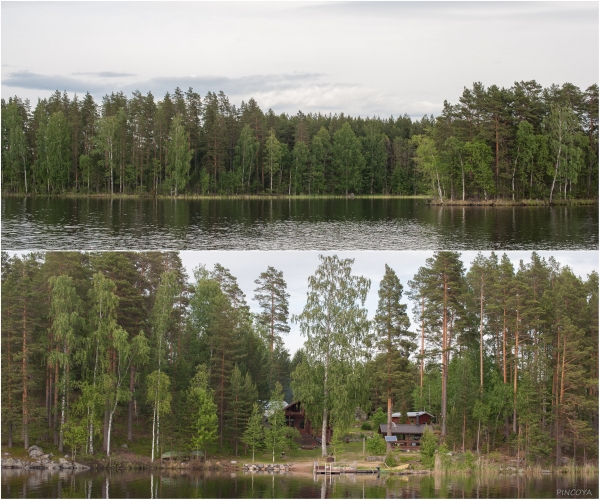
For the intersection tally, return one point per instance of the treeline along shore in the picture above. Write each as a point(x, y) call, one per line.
point(525, 142)
point(114, 350)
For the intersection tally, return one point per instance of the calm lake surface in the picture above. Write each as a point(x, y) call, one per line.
point(321, 224)
point(176, 484)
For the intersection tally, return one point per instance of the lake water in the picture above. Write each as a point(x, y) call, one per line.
point(194, 484)
point(273, 224)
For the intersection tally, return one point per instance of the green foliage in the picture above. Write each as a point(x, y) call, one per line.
point(159, 395)
point(276, 438)
point(75, 436)
point(379, 417)
point(246, 155)
point(82, 313)
point(273, 154)
point(254, 433)
point(390, 460)
point(563, 135)
point(376, 445)
point(366, 426)
point(203, 418)
point(330, 379)
point(179, 155)
point(348, 160)
point(479, 160)
point(469, 460)
point(429, 164)
point(391, 371)
point(272, 296)
point(428, 449)
point(319, 161)
point(523, 141)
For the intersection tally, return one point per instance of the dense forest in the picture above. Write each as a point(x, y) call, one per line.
point(99, 345)
point(522, 142)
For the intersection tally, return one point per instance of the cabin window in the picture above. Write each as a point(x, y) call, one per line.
point(302, 424)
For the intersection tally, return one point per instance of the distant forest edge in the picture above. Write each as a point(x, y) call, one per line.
point(524, 142)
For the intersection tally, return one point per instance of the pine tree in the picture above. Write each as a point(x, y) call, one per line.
point(393, 340)
point(272, 297)
point(440, 280)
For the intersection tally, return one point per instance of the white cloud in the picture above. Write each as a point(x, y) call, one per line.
point(367, 58)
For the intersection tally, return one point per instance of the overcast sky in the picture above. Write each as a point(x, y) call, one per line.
point(298, 266)
point(362, 58)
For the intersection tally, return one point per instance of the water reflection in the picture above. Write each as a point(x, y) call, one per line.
point(195, 484)
point(286, 224)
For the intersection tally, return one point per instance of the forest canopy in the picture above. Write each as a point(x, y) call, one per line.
point(126, 345)
point(522, 142)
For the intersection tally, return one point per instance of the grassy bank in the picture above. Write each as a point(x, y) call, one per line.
point(143, 196)
point(505, 202)
point(500, 202)
point(138, 458)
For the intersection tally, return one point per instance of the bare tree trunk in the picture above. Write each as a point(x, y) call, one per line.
point(325, 394)
point(444, 360)
point(25, 377)
point(55, 406)
point(130, 413)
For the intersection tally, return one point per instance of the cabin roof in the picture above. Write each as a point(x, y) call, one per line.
point(288, 406)
point(403, 428)
point(267, 412)
point(411, 414)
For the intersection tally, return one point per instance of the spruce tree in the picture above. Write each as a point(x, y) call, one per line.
point(393, 341)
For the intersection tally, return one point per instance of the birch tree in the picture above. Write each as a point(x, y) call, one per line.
point(562, 127)
point(161, 320)
point(330, 380)
point(65, 307)
point(179, 156)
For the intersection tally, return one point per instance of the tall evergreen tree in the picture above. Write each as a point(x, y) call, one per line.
point(393, 340)
point(440, 280)
point(272, 297)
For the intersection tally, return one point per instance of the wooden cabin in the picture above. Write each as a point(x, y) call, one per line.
point(408, 436)
point(412, 417)
point(295, 416)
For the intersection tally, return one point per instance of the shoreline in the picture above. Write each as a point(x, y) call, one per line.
point(148, 196)
point(128, 461)
point(503, 202)
point(428, 200)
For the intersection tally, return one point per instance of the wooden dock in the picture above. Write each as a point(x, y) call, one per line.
point(331, 468)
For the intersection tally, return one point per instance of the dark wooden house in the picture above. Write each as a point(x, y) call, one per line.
point(295, 416)
point(408, 436)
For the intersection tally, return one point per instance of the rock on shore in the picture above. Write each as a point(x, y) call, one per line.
point(40, 460)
